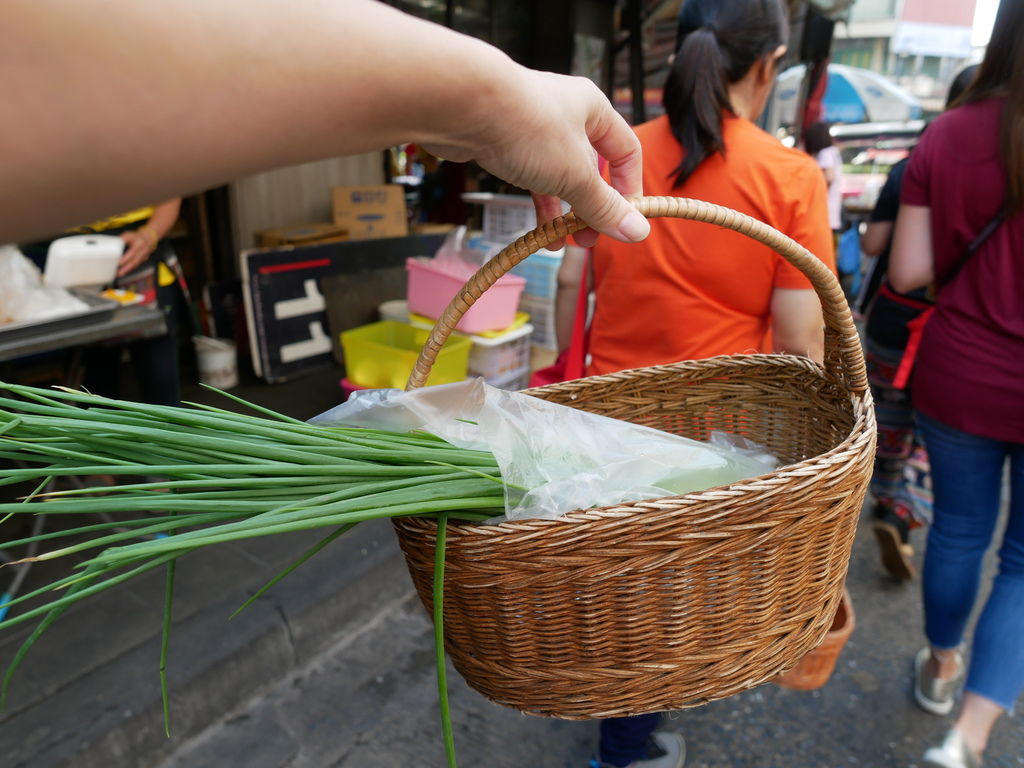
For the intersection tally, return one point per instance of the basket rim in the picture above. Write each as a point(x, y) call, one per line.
point(859, 438)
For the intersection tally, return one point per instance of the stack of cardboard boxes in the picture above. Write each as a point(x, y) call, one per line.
point(358, 213)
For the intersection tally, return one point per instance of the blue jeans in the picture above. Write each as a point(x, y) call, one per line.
point(623, 739)
point(967, 472)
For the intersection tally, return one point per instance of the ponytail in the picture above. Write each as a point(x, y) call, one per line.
point(695, 95)
point(716, 45)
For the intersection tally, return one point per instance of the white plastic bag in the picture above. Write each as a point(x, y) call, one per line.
point(22, 294)
point(564, 458)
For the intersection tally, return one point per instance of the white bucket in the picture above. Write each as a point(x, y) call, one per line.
point(218, 361)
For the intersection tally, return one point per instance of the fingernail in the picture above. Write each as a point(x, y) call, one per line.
point(634, 226)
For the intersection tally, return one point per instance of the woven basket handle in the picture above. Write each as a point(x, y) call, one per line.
point(843, 356)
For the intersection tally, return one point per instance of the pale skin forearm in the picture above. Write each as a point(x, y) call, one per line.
point(141, 242)
point(797, 324)
point(228, 88)
point(163, 218)
point(911, 264)
point(223, 91)
point(570, 273)
point(876, 236)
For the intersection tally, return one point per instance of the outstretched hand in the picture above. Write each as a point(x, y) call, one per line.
point(555, 128)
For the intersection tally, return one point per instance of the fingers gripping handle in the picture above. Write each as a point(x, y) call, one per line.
point(842, 344)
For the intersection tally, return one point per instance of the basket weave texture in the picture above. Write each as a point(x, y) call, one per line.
point(667, 603)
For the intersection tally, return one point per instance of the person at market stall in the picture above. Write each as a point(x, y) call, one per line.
point(262, 85)
point(150, 268)
point(885, 338)
point(692, 290)
point(818, 144)
point(822, 148)
point(961, 228)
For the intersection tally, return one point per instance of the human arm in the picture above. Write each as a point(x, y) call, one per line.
point(877, 235)
point(795, 310)
point(911, 263)
point(141, 242)
point(827, 160)
point(797, 324)
point(261, 85)
point(571, 272)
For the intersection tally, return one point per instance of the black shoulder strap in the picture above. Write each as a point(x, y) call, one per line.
point(975, 244)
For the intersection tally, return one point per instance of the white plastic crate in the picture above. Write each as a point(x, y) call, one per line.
point(507, 222)
point(542, 318)
point(513, 380)
point(490, 356)
point(540, 270)
point(396, 310)
point(497, 357)
point(506, 217)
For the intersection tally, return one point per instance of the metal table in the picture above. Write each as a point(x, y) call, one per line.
point(125, 322)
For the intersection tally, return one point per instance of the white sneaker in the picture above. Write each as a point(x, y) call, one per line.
point(954, 753)
point(672, 747)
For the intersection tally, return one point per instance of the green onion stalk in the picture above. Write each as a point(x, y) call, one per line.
point(196, 476)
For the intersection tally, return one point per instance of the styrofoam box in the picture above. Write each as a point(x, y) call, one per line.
point(498, 357)
point(542, 318)
point(83, 260)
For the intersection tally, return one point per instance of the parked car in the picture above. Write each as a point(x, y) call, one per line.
point(869, 151)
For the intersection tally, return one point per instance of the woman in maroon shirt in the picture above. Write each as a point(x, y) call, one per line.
point(965, 178)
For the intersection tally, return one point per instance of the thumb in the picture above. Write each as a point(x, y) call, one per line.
point(605, 210)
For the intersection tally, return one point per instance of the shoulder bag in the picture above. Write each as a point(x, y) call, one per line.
point(916, 326)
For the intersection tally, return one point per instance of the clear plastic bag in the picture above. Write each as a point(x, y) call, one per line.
point(563, 458)
point(23, 297)
point(450, 256)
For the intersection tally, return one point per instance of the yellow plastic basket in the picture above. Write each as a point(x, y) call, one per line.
point(382, 355)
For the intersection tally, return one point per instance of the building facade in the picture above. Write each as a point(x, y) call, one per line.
point(920, 44)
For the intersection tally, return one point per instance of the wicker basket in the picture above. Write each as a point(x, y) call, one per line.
point(667, 603)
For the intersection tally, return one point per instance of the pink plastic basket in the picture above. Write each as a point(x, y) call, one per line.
point(431, 288)
point(347, 387)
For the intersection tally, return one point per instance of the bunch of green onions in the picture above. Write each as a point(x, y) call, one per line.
point(222, 476)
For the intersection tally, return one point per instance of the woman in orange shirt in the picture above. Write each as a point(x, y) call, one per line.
point(692, 290)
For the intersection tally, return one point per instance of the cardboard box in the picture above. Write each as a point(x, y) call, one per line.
point(301, 234)
point(368, 212)
point(429, 228)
